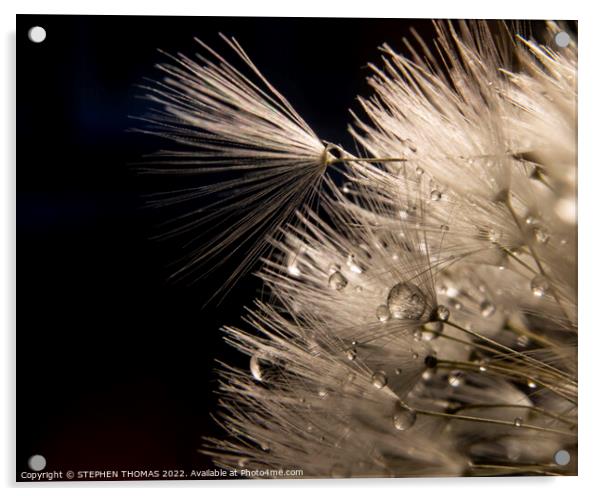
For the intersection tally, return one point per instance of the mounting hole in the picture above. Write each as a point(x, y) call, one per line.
point(37, 463)
point(562, 457)
point(562, 39)
point(37, 34)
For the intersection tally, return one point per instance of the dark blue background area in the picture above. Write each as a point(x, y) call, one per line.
point(115, 365)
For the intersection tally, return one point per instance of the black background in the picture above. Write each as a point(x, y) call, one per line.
point(115, 365)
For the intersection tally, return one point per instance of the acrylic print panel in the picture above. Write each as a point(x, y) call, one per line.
point(273, 250)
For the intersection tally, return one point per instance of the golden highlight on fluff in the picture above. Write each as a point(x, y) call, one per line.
point(423, 321)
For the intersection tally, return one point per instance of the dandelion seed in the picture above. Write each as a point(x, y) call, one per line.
point(233, 125)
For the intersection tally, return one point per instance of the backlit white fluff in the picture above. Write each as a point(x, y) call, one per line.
point(232, 125)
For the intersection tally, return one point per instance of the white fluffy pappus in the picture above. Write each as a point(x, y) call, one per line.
point(257, 158)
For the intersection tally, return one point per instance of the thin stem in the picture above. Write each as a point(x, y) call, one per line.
point(508, 423)
point(505, 372)
point(526, 407)
point(515, 258)
point(525, 357)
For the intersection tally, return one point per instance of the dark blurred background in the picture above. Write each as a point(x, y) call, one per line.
point(115, 365)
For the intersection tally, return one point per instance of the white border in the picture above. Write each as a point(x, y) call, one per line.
point(590, 212)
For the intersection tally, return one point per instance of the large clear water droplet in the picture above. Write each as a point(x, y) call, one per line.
point(406, 301)
point(337, 281)
point(351, 354)
point(379, 379)
point(518, 422)
point(539, 286)
point(487, 308)
point(404, 417)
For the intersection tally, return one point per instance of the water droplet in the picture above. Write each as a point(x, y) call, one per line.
point(337, 281)
point(332, 268)
point(351, 354)
point(347, 187)
point(398, 371)
point(382, 313)
point(417, 335)
point(406, 301)
point(264, 446)
point(518, 421)
point(404, 417)
point(483, 365)
point(530, 220)
point(293, 270)
point(379, 379)
point(455, 378)
point(541, 235)
point(487, 308)
point(322, 393)
point(435, 195)
point(415, 355)
point(419, 171)
point(539, 286)
point(531, 383)
point(442, 313)
point(353, 265)
point(255, 367)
